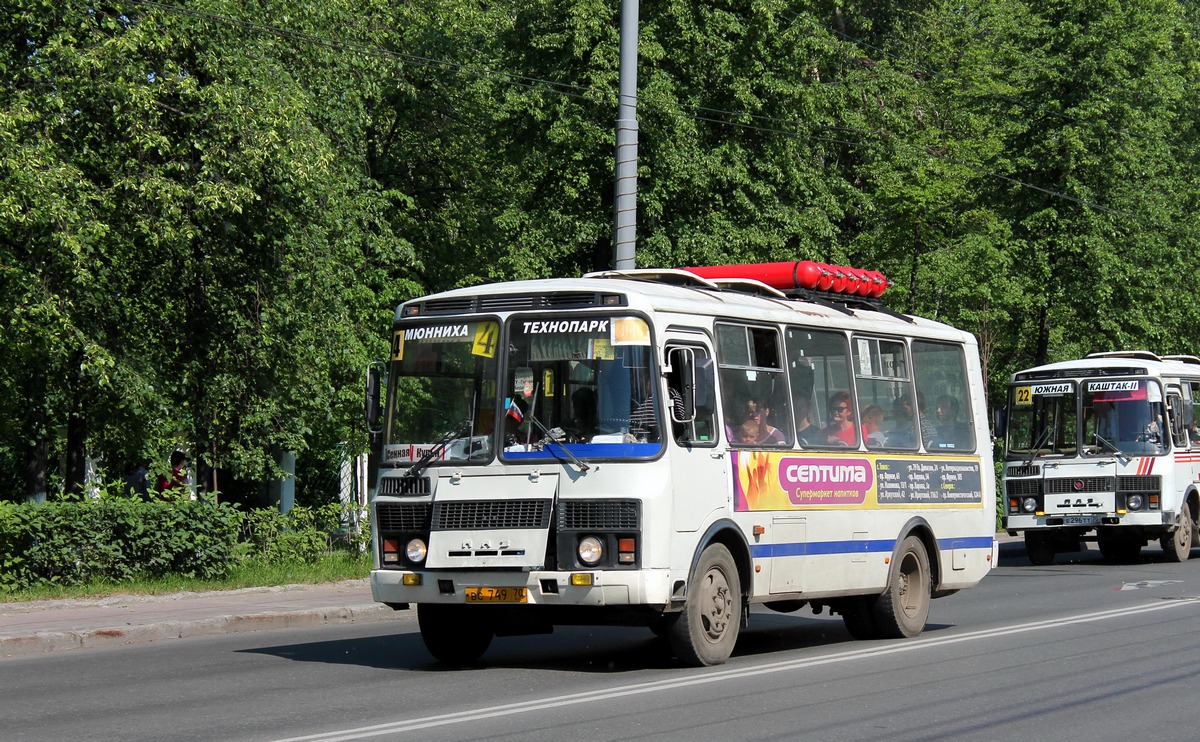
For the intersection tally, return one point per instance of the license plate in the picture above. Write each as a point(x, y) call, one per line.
point(496, 594)
point(1081, 520)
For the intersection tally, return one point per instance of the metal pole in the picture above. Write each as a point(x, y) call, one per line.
point(625, 216)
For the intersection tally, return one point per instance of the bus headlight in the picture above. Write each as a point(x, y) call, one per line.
point(1135, 502)
point(591, 550)
point(1029, 504)
point(416, 551)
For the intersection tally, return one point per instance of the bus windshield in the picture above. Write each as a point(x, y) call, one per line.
point(442, 391)
point(558, 387)
point(1125, 414)
point(1042, 420)
point(587, 384)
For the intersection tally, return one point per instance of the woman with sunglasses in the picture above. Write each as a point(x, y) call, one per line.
point(841, 430)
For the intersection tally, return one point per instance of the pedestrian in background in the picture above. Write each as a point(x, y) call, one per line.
point(177, 479)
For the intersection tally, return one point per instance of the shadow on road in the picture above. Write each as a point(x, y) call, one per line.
point(571, 648)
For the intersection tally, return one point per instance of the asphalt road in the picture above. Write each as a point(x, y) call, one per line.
point(1079, 650)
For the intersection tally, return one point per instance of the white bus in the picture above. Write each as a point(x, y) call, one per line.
point(1104, 448)
point(666, 448)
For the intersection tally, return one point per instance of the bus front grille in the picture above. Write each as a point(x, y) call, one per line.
point(489, 514)
point(601, 515)
point(1073, 485)
point(1140, 483)
point(402, 516)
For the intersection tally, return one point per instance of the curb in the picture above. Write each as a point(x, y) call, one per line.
point(48, 642)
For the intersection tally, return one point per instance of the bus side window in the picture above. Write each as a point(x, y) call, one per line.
point(754, 396)
point(691, 386)
point(818, 366)
point(1192, 419)
point(941, 374)
point(1177, 414)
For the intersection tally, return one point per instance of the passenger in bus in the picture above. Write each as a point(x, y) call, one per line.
point(756, 423)
point(872, 426)
point(840, 431)
point(951, 431)
point(643, 419)
point(903, 433)
point(806, 431)
point(584, 423)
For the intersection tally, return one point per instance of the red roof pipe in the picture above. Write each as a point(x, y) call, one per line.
point(804, 274)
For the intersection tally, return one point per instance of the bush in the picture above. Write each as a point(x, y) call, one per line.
point(73, 543)
point(302, 534)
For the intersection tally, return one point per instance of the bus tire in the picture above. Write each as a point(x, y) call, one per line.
point(903, 608)
point(450, 634)
point(1177, 545)
point(708, 626)
point(858, 614)
point(1120, 549)
point(1039, 547)
point(661, 625)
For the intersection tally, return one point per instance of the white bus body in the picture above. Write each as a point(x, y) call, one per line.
point(1104, 448)
point(626, 449)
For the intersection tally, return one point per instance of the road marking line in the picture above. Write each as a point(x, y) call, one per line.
point(717, 676)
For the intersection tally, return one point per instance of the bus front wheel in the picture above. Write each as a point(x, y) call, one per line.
point(1177, 545)
point(1039, 547)
point(450, 635)
point(708, 626)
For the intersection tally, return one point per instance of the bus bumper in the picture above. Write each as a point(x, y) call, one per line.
point(606, 588)
point(1150, 519)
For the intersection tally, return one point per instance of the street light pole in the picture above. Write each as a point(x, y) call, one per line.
point(625, 201)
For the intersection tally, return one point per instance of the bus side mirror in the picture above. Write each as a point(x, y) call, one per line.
point(696, 383)
point(683, 380)
point(1000, 422)
point(374, 404)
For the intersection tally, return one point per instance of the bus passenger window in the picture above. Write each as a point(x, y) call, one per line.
point(754, 393)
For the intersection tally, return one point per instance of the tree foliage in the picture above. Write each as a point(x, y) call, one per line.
point(208, 210)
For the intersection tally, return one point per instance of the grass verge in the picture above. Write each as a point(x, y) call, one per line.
point(333, 567)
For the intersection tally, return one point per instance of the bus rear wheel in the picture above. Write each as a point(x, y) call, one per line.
point(904, 607)
point(450, 635)
point(858, 614)
point(1177, 545)
point(1121, 549)
point(708, 626)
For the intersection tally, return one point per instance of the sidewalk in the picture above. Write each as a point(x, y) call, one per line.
point(40, 627)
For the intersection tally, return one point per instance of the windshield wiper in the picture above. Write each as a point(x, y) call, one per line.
point(1112, 448)
point(1042, 440)
point(439, 445)
point(555, 438)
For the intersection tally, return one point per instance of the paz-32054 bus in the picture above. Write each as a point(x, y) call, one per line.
point(1104, 447)
point(666, 448)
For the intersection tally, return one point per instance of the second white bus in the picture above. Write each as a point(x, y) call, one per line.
point(1104, 448)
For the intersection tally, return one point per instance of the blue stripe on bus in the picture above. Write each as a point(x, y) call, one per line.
point(765, 551)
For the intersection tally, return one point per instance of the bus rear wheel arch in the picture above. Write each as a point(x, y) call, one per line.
point(903, 608)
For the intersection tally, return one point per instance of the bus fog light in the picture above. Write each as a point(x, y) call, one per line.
point(415, 551)
point(1135, 502)
point(1029, 504)
point(591, 551)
